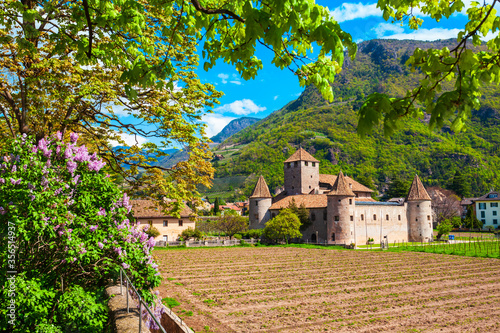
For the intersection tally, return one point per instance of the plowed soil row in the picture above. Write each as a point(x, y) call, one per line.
point(315, 290)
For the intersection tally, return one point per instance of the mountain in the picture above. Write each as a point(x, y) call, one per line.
point(328, 131)
point(234, 127)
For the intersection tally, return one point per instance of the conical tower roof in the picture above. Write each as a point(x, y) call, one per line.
point(417, 191)
point(261, 189)
point(301, 155)
point(341, 187)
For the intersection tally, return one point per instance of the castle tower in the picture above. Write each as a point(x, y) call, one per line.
point(260, 201)
point(340, 212)
point(301, 173)
point(419, 213)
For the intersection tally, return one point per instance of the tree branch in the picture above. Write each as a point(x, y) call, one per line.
point(89, 24)
point(202, 9)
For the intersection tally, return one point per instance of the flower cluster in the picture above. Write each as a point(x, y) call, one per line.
point(59, 195)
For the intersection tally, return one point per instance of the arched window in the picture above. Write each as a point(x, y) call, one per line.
point(313, 217)
point(313, 238)
point(333, 236)
point(387, 217)
point(374, 216)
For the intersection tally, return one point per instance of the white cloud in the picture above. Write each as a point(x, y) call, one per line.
point(223, 77)
point(129, 139)
point(276, 97)
point(236, 82)
point(426, 34)
point(383, 28)
point(241, 107)
point(215, 123)
point(351, 11)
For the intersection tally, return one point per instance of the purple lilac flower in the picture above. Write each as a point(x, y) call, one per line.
point(2, 210)
point(93, 228)
point(101, 245)
point(56, 227)
point(58, 191)
point(83, 251)
point(120, 226)
point(34, 149)
point(14, 168)
point(63, 261)
point(118, 250)
point(126, 266)
point(96, 165)
point(155, 266)
point(25, 167)
point(101, 212)
point(75, 179)
point(2, 181)
point(32, 197)
point(73, 137)
point(59, 135)
point(105, 240)
point(143, 238)
point(58, 150)
point(82, 154)
point(151, 242)
point(15, 182)
point(30, 186)
point(71, 166)
point(60, 232)
point(6, 159)
point(68, 153)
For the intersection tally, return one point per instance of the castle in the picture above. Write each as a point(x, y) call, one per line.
point(341, 210)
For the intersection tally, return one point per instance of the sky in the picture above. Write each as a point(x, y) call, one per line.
point(273, 88)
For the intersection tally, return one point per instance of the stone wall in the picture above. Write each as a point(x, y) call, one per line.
point(375, 221)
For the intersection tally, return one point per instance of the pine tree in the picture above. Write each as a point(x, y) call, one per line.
point(460, 185)
point(216, 206)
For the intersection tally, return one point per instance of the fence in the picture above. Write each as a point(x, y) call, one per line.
point(201, 243)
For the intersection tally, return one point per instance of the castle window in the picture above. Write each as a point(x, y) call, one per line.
point(306, 163)
point(324, 214)
point(256, 216)
point(313, 217)
point(387, 217)
point(257, 203)
point(352, 218)
point(374, 216)
point(309, 186)
point(333, 236)
point(399, 217)
point(416, 219)
point(418, 205)
point(362, 217)
point(295, 163)
point(336, 218)
point(293, 187)
point(350, 201)
point(288, 165)
point(314, 164)
point(181, 223)
point(165, 223)
point(428, 217)
point(313, 238)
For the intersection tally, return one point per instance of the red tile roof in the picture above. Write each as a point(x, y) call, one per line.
point(150, 208)
point(301, 155)
point(261, 189)
point(342, 186)
point(309, 201)
point(356, 187)
point(417, 191)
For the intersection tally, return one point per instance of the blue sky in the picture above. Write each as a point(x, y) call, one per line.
point(273, 88)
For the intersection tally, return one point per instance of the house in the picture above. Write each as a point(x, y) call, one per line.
point(487, 210)
point(170, 227)
point(342, 210)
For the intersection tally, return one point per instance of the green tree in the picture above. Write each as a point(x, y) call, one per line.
point(284, 226)
point(460, 184)
point(444, 228)
point(302, 213)
point(471, 221)
point(232, 223)
point(191, 233)
point(398, 188)
point(216, 206)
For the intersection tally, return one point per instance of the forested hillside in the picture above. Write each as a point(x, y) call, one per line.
point(328, 131)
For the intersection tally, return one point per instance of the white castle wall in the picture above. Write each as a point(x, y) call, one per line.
point(390, 221)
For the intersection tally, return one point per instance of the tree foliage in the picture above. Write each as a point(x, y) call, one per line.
point(302, 213)
point(231, 224)
point(444, 227)
point(471, 221)
point(191, 233)
point(283, 227)
point(460, 184)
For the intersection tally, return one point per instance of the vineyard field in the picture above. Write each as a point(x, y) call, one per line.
point(273, 289)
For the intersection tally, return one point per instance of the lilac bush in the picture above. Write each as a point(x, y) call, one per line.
point(72, 227)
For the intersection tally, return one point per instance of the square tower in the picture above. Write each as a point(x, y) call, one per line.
point(301, 173)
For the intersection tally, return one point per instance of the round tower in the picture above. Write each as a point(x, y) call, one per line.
point(340, 212)
point(259, 204)
point(419, 213)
